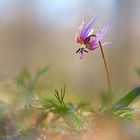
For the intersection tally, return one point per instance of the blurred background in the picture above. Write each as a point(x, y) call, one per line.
point(35, 33)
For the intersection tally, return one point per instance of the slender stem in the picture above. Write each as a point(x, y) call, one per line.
point(107, 73)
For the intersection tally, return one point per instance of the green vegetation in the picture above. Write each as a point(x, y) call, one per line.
point(28, 109)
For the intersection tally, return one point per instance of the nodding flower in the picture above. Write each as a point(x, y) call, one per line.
point(87, 39)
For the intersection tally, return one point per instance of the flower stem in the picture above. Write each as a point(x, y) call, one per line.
point(107, 74)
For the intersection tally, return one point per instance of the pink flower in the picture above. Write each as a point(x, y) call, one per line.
point(87, 39)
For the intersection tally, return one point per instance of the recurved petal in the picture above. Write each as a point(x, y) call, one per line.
point(93, 45)
point(90, 33)
point(87, 29)
point(107, 43)
point(79, 30)
point(101, 33)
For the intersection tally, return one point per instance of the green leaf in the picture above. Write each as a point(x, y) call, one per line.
point(127, 99)
point(53, 106)
point(41, 71)
point(24, 77)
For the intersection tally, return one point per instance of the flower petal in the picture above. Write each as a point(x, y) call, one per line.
point(107, 43)
point(79, 30)
point(81, 55)
point(87, 29)
point(101, 33)
point(90, 33)
point(92, 46)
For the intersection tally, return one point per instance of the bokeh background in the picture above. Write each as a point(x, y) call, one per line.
point(35, 33)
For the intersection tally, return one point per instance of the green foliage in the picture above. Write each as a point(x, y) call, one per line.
point(41, 72)
point(56, 104)
point(27, 86)
point(79, 116)
point(27, 81)
point(123, 113)
point(75, 117)
point(121, 108)
point(67, 117)
point(23, 101)
point(24, 78)
point(127, 99)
